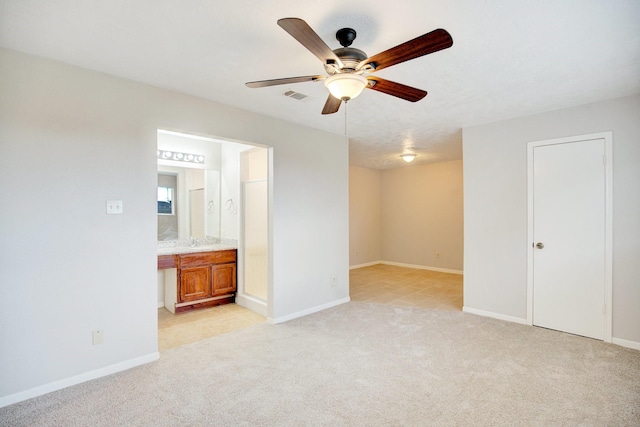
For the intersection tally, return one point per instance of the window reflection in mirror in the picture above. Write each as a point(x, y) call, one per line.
point(165, 201)
point(167, 206)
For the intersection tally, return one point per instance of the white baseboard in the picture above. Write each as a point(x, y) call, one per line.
point(401, 264)
point(626, 343)
point(366, 264)
point(618, 341)
point(422, 267)
point(494, 315)
point(252, 304)
point(307, 311)
point(68, 382)
point(160, 304)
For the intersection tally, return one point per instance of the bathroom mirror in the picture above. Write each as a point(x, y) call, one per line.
point(188, 203)
point(189, 181)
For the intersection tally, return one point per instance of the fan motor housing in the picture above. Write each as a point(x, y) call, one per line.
point(350, 57)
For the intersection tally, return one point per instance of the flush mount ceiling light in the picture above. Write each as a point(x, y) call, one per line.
point(408, 157)
point(345, 86)
point(180, 157)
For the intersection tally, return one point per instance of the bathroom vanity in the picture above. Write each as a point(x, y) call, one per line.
point(198, 277)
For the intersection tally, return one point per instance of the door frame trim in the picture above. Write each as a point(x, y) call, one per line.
point(608, 267)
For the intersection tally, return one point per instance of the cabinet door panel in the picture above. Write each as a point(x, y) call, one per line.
point(224, 279)
point(195, 283)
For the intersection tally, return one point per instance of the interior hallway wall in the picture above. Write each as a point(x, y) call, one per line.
point(411, 215)
point(365, 226)
point(422, 215)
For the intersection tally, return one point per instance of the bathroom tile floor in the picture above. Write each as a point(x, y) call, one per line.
point(383, 284)
point(184, 328)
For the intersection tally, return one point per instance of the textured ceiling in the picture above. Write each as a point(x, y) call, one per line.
point(509, 58)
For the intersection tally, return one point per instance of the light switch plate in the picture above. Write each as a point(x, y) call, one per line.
point(114, 207)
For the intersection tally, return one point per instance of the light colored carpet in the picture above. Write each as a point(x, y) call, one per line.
point(362, 364)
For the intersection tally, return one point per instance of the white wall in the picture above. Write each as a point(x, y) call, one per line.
point(230, 191)
point(495, 199)
point(365, 224)
point(71, 139)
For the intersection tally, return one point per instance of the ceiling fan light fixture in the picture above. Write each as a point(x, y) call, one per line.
point(345, 86)
point(408, 157)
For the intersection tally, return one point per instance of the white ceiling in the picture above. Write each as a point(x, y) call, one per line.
point(509, 58)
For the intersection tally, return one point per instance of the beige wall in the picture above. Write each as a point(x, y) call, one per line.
point(365, 227)
point(422, 215)
point(407, 215)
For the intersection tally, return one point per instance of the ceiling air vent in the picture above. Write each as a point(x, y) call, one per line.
point(295, 95)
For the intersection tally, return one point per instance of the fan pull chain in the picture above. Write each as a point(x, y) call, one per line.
point(345, 118)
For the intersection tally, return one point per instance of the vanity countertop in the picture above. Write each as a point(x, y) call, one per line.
point(175, 247)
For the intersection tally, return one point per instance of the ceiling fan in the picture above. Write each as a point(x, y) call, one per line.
point(349, 69)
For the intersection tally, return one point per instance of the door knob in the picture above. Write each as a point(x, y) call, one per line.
point(539, 245)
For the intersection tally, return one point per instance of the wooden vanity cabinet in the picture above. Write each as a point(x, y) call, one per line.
point(204, 279)
point(195, 284)
point(224, 279)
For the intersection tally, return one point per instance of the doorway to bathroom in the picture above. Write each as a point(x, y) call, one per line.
point(221, 196)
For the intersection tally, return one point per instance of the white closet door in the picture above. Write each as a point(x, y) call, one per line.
point(569, 237)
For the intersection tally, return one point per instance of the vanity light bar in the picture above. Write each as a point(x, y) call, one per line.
point(180, 157)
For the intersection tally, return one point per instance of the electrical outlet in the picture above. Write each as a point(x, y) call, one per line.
point(334, 282)
point(98, 337)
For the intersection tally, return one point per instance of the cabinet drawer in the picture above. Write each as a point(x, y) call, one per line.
point(207, 258)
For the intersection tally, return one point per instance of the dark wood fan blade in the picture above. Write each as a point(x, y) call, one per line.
point(287, 80)
point(427, 43)
point(396, 89)
point(302, 32)
point(332, 105)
